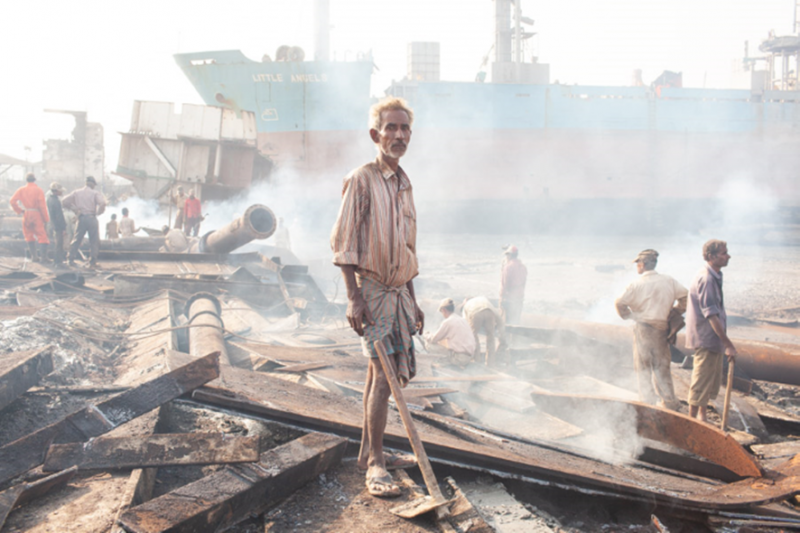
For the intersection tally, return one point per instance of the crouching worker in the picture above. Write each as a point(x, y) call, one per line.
point(454, 334)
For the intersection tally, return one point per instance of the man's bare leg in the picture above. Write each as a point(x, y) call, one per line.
point(694, 410)
point(363, 453)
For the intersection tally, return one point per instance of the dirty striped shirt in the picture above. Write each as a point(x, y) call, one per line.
point(376, 229)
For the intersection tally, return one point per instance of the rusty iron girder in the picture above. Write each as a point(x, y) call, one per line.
point(653, 423)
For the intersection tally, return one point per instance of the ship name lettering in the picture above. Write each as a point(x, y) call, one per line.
point(268, 77)
point(309, 78)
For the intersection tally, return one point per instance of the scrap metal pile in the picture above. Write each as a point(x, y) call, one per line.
point(191, 391)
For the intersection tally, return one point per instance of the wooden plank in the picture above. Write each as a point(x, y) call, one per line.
point(19, 371)
point(20, 494)
point(95, 420)
point(166, 449)
point(228, 496)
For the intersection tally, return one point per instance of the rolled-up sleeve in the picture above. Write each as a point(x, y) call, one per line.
point(709, 298)
point(344, 237)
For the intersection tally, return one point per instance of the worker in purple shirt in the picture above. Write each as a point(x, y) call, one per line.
point(706, 325)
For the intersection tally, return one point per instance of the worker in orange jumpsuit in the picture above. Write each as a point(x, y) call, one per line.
point(29, 202)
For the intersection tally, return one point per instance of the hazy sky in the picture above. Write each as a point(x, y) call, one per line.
point(100, 56)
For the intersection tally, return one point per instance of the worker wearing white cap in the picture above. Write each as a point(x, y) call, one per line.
point(512, 285)
point(649, 301)
point(454, 334)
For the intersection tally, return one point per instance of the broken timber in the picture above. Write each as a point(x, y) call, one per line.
point(263, 395)
point(19, 371)
point(168, 449)
point(230, 495)
point(28, 452)
point(20, 494)
point(657, 424)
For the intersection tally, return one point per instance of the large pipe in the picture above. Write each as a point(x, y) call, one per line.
point(258, 222)
point(205, 326)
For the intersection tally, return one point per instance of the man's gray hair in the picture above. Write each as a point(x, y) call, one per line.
point(390, 103)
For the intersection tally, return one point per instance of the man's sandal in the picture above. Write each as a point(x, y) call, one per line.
point(397, 461)
point(382, 487)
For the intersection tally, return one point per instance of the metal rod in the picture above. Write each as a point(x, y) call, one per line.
point(728, 390)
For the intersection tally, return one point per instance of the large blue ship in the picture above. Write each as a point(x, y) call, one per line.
point(546, 154)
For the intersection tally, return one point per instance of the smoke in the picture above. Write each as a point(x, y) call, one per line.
point(146, 213)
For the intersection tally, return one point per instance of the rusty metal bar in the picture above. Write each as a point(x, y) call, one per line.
point(230, 495)
point(19, 371)
point(166, 449)
point(20, 494)
point(28, 452)
point(205, 326)
point(258, 222)
point(654, 423)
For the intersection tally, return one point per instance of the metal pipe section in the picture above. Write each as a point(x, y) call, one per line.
point(205, 327)
point(258, 222)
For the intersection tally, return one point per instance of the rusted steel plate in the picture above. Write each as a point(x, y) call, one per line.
point(167, 449)
point(28, 452)
point(19, 371)
point(20, 494)
point(301, 368)
point(230, 495)
point(653, 423)
point(263, 395)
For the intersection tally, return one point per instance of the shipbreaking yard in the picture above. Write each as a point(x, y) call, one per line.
point(173, 391)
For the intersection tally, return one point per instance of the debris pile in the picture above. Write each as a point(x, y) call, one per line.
point(199, 391)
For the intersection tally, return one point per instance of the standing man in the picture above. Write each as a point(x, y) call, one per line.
point(193, 214)
point(87, 204)
point(179, 200)
point(485, 318)
point(512, 285)
point(374, 243)
point(706, 329)
point(649, 301)
point(454, 334)
point(127, 227)
point(58, 224)
point(29, 202)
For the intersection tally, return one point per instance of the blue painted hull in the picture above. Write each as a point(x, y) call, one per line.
point(499, 142)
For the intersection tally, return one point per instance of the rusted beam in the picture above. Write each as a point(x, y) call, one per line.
point(415, 392)
point(19, 371)
point(230, 495)
point(138, 490)
point(205, 326)
point(462, 513)
point(166, 449)
point(258, 222)
point(653, 423)
point(20, 494)
point(95, 420)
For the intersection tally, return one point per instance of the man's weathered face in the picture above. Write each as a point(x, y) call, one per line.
point(394, 135)
point(639, 267)
point(721, 258)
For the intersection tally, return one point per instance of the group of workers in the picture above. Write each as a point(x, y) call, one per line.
point(87, 204)
point(190, 212)
point(121, 229)
point(374, 243)
point(656, 302)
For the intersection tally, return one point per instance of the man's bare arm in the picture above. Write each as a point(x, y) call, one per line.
point(420, 318)
point(681, 305)
point(623, 310)
point(357, 310)
point(716, 325)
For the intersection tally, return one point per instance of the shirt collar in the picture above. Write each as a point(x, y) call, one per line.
point(387, 173)
point(649, 273)
point(713, 272)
